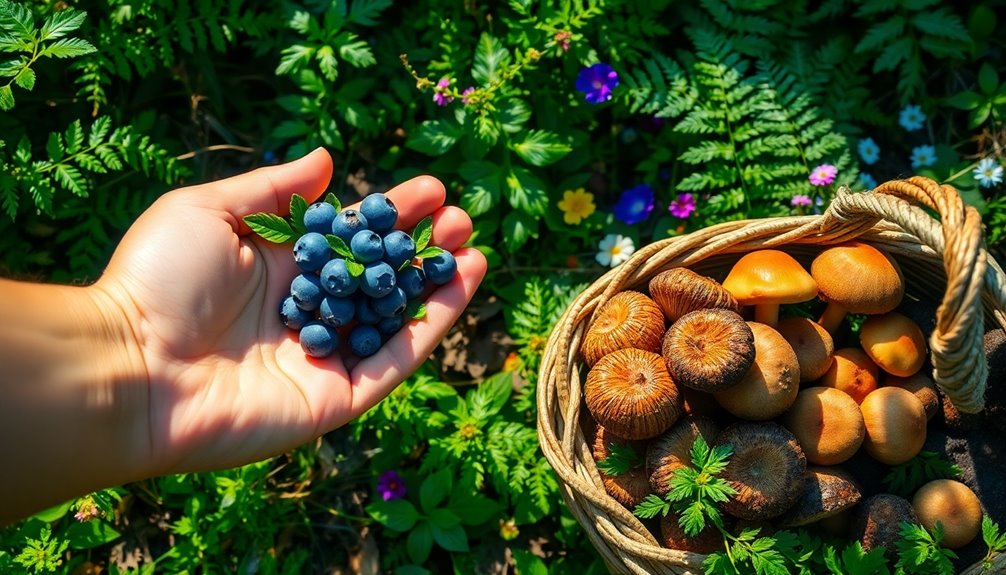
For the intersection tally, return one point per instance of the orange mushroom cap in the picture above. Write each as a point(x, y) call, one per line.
point(767, 278)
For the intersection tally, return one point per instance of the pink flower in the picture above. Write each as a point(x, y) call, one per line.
point(823, 175)
point(440, 95)
point(800, 200)
point(682, 206)
point(464, 95)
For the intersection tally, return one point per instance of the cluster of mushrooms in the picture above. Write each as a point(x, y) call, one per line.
point(682, 361)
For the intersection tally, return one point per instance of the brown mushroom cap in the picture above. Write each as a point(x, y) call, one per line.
point(856, 277)
point(766, 469)
point(770, 386)
point(673, 536)
point(812, 343)
point(630, 392)
point(895, 425)
point(672, 450)
point(680, 290)
point(877, 521)
point(922, 386)
point(894, 342)
point(827, 491)
point(853, 372)
point(631, 487)
point(709, 349)
point(954, 505)
point(767, 278)
point(827, 423)
point(628, 319)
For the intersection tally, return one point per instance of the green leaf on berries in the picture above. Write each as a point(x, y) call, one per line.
point(429, 252)
point(415, 310)
point(271, 227)
point(298, 206)
point(340, 247)
point(423, 232)
point(404, 265)
point(355, 268)
point(330, 198)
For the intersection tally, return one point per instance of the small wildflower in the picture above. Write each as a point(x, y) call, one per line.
point(512, 362)
point(614, 249)
point(823, 175)
point(869, 152)
point(988, 173)
point(468, 431)
point(563, 39)
point(508, 530)
point(911, 118)
point(597, 82)
point(576, 205)
point(533, 55)
point(868, 181)
point(801, 201)
point(682, 206)
point(635, 204)
point(86, 510)
point(390, 485)
point(923, 156)
point(440, 95)
point(466, 95)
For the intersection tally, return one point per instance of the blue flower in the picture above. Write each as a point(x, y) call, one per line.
point(911, 118)
point(868, 181)
point(988, 173)
point(923, 156)
point(635, 204)
point(869, 152)
point(597, 82)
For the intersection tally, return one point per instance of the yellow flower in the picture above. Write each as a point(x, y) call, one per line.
point(576, 205)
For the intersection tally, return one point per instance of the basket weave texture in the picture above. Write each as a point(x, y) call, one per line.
point(938, 242)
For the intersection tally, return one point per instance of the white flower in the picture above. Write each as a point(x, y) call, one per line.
point(923, 156)
point(911, 118)
point(988, 173)
point(614, 249)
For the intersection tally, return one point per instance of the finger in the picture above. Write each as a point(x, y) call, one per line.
point(451, 228)
point(375, 377)
point(414, 199)
point(268, 189)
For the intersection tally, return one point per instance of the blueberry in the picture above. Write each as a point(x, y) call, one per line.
point(391, 304)
point(336, 311)
point(306, 292)
point(378, 279)
point(347, 223)
point(365, 310)
point(389, 326)
point(412, 280)
point(311, 252)
point(318, 340)
point(337, 280)
point(399, 248)
point(364, 340)
point(380, 212)
point(292, 316)
point(440, 268)
point(367, 246)
point(318, 217)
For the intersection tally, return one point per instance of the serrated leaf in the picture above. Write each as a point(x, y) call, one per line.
point(620, 460)
point(68, 48)
point(340, 247)
point(61, 23)
point(6, 98)
point(429, 252)
point(74, 137)
point(99, 129)
point(71, 179)
point(365, 12)
point(54, 147)
point(422, 233)
point(941, 23)
point(270, 227)
point(880, 34)
point(26, 79)
point(540, 148)
point(19, 19)
point(490, 56)
point(298, 205)
point(293, 58)
point(357, 53)
point(327, 62)
point(651, 506)
point(355, 268)
point(334, 201)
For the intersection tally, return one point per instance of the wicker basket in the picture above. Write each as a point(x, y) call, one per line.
point(938, 242)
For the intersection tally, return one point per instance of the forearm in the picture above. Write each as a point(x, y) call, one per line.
point(72, 397)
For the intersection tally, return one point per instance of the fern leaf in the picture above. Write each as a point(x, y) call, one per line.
point(68, 48)
point(71, 179)
point(941, 22)
point(8, 192)
point(61, 23)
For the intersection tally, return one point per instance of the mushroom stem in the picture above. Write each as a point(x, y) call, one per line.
point(768, 314)
point(832, 317)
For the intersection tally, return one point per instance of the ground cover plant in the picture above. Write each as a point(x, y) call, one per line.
point(573, 132)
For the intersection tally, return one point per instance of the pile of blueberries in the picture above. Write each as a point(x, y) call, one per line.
point(359, 280)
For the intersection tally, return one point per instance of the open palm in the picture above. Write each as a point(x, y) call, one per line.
point(228, 383)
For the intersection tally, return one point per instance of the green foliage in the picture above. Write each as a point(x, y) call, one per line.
point(42, 555)
point(919, 551)
point(905, 478)
point(994, 541)
point(620, 459)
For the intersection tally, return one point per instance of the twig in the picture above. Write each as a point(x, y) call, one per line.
point(215, 148)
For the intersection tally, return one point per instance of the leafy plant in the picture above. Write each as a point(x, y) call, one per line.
point(620, 460)
point(994, 541)
point(905, 478)
point(43, 555)
point(919, 551)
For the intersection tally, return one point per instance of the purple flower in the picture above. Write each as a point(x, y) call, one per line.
point(390, 485)
point(440, 95)
point(635, 204)
point(682, 206)
point(823, 175)
point(800, 200)
point(597, 82)
point(464, 95)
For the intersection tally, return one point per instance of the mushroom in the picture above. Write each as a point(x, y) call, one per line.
point(922, 386)
point(708, 349)
point(878, 522)
point(894, 342)
point(766, 468)
point(629, 488)
point(680, 290)
point(953, 505)
point(767, 278)
point(812, 343)
point(770, 386)
point(853, 372)
point(827, 491)
point(827, 423)
point(628, 319)
point(672, 450)
point(856, 277)
point(630, 392)
point(895, 425)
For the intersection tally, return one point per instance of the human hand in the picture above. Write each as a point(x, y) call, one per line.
point(227, 383)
